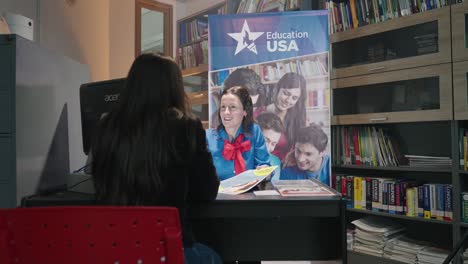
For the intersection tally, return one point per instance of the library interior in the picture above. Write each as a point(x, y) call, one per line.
point(278, 131)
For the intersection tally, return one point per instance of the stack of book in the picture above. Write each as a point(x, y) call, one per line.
point(349, 239)
point(373, 232)
point(403, 249)
point(432, 255)
point(429, 161)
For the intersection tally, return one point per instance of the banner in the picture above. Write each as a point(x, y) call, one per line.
point(282, 59)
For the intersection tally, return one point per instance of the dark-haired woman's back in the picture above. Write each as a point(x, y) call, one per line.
point(160, 159)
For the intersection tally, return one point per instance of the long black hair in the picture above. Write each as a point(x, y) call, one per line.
point(296, 116)
point(133, 142)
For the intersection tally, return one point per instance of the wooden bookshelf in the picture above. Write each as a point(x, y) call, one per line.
point(374, 78)
point(198, 98)
point(200, 69)
point(412, 26)
point(392, 81)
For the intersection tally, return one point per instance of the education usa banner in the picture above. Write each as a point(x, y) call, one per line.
point(282, 59)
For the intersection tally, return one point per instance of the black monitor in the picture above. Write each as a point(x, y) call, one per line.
point(96, 99)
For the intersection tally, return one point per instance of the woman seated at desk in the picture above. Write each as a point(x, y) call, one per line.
point(238, 143)
point(150, 150)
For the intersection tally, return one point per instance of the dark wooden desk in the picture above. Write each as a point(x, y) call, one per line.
point(248, 227)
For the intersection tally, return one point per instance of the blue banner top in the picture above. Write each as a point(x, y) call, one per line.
point(243, 39)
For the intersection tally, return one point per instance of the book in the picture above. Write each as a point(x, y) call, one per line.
point(310, 187)
point(245, 181)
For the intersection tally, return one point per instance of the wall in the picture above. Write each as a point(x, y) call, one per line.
point(78, 29)
point(122, 35)
point(194, 6)
point(27, 8)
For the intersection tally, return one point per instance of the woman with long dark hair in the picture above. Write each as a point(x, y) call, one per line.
point(151, 151)
point(288, 103)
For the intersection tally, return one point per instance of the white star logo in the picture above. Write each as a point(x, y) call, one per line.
point(245, 38)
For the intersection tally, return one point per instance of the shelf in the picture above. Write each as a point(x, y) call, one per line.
point(392, 168)
point(357, 257)
point(421, 219)
point(202, 68)
point(198, 98)
point(193, 42)
point(462, 172)
point(463, 224)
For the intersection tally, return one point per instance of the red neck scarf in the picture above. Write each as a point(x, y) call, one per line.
point(234, 152)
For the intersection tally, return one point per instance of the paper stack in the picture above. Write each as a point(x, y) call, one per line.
point(403, 249)
point(373, 232)
point(429, 161)
point(432, 255)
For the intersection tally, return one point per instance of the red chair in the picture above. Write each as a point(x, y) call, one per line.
point(94, 234)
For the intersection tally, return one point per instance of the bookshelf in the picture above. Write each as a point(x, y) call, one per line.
point(377, 72)
point(192, 47)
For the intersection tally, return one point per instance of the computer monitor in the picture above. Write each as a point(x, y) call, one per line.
point(96, 99)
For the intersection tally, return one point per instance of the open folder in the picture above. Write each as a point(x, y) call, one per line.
point(245, 181)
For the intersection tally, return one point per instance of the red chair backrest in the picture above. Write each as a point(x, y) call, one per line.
point(91, 234)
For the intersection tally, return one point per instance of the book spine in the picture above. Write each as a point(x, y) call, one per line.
point(357, 192)
point(376, 205)
point(464, 206)
point(421, 201)
point(432, 201)
point(368, 193)
point(398, 199)
point(385, 197)
point(410, 202)
point(448, 205)
point(440, 197)
point(364, 192)
point(391, 198)
point(427, 201)
point(338, 183)
point(349, 192)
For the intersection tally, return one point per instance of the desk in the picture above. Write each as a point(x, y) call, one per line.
point(249, 227)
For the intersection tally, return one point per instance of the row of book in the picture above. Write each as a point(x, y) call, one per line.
point(318, 98)
point(350, 14)
point(259, 6)
point(396, 196)
point(193, 55)
point(196, 28)
point(364, 145)
point(272, 72)
point(192, 31)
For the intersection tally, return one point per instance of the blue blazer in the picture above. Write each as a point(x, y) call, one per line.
point(256, 156)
